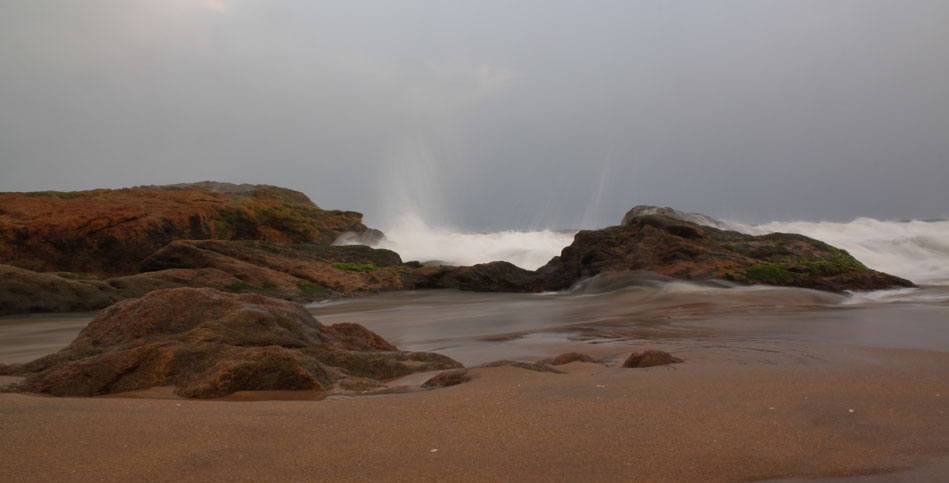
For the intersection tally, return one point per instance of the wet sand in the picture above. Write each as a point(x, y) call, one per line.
point(738, 412)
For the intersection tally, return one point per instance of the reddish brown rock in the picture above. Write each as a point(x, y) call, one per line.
point(448, 378)
point(302, 272)
point(569, 357)
point(650, 359)
point(209, 343)
point(110, 232)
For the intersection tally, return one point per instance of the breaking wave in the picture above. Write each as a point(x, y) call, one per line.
point(916, 250)
point(413, 239)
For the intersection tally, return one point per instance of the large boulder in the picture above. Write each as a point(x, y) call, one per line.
point(209, 343)
point(110, 232)
point(685, 250)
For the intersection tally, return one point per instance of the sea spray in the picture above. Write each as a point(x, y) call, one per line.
point(413, 239)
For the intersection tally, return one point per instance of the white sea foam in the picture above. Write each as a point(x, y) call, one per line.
point(916, 250)
point(413, 239)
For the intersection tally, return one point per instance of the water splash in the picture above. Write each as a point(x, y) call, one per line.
point(413, 239)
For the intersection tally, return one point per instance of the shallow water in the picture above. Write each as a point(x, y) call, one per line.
point(639, 308)
point(478, 327)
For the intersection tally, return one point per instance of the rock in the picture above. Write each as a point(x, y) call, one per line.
point(24, 291)
point(448, 378)
point(650, 359)
point(302, 272)
point(569, 357)
point(485, 277)
point(110, 232)
point(209, 343)
point(685, 250)
point(696, 218)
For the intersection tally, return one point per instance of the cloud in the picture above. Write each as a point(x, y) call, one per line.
point(216, 5)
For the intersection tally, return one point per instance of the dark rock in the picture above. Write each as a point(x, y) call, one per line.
point(685, 250)
point(650, 359)
point(209, 344)
point(23, 291)
point(448, 378)
point(485, 277)
point(645, 210)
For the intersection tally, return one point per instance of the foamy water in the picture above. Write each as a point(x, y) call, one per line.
point(413, 239)
point(915, 250)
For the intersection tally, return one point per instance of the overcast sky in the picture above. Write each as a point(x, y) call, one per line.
point(488, 115)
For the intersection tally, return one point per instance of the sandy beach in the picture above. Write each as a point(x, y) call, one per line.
point(736, 412)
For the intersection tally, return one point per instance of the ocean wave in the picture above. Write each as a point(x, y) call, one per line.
point(916, 250)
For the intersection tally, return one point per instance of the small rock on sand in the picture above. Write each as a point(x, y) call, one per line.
point(448, 378)
point(650, 359)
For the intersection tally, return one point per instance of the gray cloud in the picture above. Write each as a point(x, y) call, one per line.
point(490, 114)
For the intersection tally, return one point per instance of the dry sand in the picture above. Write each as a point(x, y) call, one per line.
point(736, 412)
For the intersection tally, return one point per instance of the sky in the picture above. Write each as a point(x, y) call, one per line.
point(490, 115)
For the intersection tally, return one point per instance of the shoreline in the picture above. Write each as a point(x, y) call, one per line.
point(738, 411)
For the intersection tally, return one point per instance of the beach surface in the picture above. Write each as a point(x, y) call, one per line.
point(737, 411)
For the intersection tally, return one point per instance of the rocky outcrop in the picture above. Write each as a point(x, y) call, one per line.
point(209, 343)
point(686, 250)
point(110, 232)
point(676, 245)
point(78, 240)
point(303, 272)
point(300, 272)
